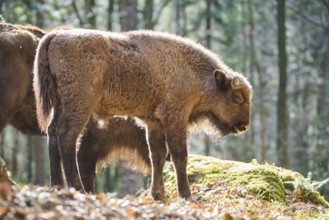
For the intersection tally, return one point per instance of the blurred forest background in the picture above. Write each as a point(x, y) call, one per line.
point(282, 46)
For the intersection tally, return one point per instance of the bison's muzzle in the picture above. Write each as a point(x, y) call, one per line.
point(242, 127)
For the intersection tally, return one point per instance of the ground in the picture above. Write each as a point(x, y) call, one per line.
point(223, 190)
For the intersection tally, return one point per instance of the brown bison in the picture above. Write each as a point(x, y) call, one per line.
point(166, 81)
point(122, 138)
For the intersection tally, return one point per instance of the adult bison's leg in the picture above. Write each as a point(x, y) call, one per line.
point(70, 124)
point(56, 176)
point(87, 159)
point(158, 150)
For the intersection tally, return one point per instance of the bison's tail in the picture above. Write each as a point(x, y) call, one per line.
point(44, 84)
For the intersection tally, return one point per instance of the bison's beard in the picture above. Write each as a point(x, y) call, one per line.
point(211, 125)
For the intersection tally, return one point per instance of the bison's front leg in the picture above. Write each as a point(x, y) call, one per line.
point(158, 152)
point(176, 139)
point(175, 122)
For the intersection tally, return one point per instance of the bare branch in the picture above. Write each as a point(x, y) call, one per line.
point(75, 8)
point(159, 12)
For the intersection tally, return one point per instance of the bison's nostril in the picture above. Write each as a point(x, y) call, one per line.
point(243, 126)
point(246, 126)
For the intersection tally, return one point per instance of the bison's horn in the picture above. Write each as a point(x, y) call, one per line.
point(236, 82)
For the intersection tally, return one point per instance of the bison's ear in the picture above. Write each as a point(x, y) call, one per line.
point(221, 79)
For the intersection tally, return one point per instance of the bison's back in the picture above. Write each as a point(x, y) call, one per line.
point(16, 59)
point(103, 68)
point(129, 73)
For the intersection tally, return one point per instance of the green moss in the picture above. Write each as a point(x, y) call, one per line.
point(265, 181)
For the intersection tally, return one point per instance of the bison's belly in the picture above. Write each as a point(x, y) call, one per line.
point(129, 104)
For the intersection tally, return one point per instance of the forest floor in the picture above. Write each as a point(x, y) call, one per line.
point(262, 192)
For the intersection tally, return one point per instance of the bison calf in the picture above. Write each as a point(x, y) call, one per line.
point(167, 81)
point(121, 139)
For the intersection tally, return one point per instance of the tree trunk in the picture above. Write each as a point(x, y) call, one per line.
point(208, 23)
point(110, 15)
point(39, 14)
point(30, 150)
point(177, 17)
point(108, 179)
point(323, 112)
point(2, 144)
point(90, 14)
point(130, 180)
point(14, 167)
point(1, 12)
point(75, 8)
point(301, 145)
point(282, 116)
point(184, 18)
point(39, 153)
point(128, 15)
point(112, 178)
point(207, 143)
point(148, 14)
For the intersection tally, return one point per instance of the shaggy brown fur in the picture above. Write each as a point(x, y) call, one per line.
point(167, 81)
point(17, 104)
point(122, 138)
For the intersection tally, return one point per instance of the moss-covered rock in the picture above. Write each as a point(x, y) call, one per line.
point(268, 182)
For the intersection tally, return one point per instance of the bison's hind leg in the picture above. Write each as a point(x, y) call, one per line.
point(70, 124)
point(56, 176)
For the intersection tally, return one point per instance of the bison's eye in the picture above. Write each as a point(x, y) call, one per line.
point(237, 99)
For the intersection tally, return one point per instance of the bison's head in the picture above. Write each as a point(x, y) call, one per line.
point(228, 102)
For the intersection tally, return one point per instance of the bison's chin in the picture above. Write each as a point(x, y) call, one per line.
point(207, 127)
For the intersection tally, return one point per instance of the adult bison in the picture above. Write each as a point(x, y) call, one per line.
point(166, 81)
point(122, 138)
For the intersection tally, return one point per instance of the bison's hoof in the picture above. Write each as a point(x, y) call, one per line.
point(190, 199)
point(158, 196)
